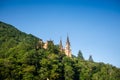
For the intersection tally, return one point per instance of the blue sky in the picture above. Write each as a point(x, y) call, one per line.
point(93, 26)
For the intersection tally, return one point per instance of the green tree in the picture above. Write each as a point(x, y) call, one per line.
point(80, 55)
point(90, 58)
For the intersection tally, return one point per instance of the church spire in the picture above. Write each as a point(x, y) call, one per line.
point(68, 42)
point(67, 47)
point(60, 45)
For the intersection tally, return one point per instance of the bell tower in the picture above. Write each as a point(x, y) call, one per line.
point(67, 48)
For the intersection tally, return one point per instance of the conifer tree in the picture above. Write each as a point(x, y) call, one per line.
point(80, 56)
point(90, 58)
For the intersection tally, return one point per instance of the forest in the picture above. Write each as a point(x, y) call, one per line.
point(22, 57)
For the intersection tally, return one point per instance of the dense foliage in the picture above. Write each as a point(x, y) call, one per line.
point(20, 60)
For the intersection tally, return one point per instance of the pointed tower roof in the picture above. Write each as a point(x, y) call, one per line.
point(60, 45)
point(68, 42)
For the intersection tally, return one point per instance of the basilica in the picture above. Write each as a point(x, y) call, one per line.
point(66, 50)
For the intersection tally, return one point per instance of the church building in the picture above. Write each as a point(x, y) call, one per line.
point(67, 49)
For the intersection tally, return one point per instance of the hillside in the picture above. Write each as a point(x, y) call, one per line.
point(22, 57)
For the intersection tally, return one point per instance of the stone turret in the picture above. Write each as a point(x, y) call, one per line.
point(47, 44)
